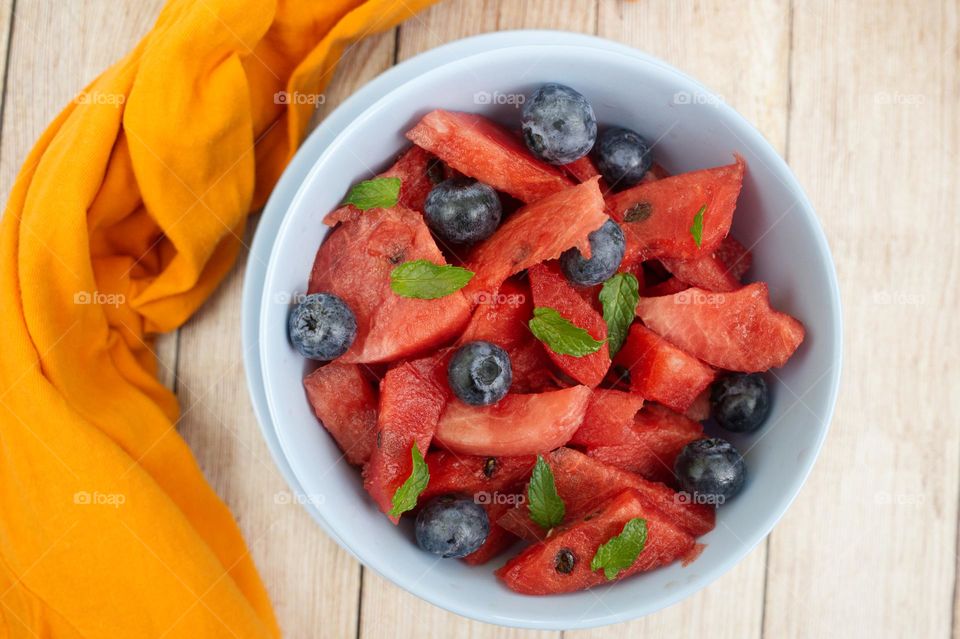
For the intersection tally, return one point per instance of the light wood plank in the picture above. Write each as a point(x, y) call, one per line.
point(694, 36)
point(313, 583)
point(868, 549)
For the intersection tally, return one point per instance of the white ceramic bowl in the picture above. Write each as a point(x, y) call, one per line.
point(694, 129)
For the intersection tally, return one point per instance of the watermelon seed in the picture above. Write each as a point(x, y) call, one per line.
point(490, 467)
point(435, 171)
point(565, 561)
point(639, 212)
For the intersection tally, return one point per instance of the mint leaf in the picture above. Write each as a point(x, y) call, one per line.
point(378, 193)
point(560, 334)
point(406, 496)
point(546, 507)
point(696, 229)
point(621, 551)
point(427, 281)
point(619, 297)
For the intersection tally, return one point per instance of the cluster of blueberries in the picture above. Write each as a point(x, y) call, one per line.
point(559, 127)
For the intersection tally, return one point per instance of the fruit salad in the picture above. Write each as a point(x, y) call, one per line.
point(521, 334)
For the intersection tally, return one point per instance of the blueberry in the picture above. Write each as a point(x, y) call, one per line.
point(322, 327)
point(480, 373)
point(740, 402)
point(451, 527)
point(623, 156)
point(711, 470)
point(558, 124)
point(607, 246)
point(462, 211)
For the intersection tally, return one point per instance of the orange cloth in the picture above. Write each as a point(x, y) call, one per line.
point(126, 215)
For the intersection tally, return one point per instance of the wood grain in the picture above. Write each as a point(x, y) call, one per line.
point(868, 548)
point(863, 98)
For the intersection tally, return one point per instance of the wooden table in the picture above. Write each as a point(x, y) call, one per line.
point(863, 99)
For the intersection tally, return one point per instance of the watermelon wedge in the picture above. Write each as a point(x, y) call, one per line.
point(736, 331)
point(418, 171)
point(609, 418)
point(516, 425)
point(538, 571)
point(471, 474)
point(656, 216)
point(345, 402)
point(499, 538)
point(585, 169)
point(583, 482)
point(481, 149)
point(501, 318)
point(656, 438)
point(355, 263)
point(536, 233)
point(662, 372)
point(699, 410)
point(719, 271)
point(550, 288)
point(667, 287)
point(412, 396)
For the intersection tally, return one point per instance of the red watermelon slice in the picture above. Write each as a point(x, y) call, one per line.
point(471, 474)
point(583, 482)
point(481, 149)
point(516, 425)
point(412, 396)
point(346, 404)
point(418, 171)
point(655, 439)
point(667, 287)
point(656, 216)
point(736, 331)
point(609, 418)
point(699, 410)
point(720, 271)
point(536, 233)
point(539, 570)
point(499, 538)
point(662, 372)
point(551, 289)
point(355, 263)
point(501, 318)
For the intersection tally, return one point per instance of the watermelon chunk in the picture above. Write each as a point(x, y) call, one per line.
point(412, 396)
point(736, 331)
point(516, 425)
point(498, 539)
point(719, 271)
point(345, 402)
point(583, 482)
point(583, 170)
point(550, 288)
point(656, 216)
point(414, 167)
point(536, 233)
point(735, 256)
point(609, 418)
point(699, 410)
point(662, 372)
point(471, 474)
point(481, 149)
point(501, 318)
point(355, 263)
point(534, 571)
point(656, 438)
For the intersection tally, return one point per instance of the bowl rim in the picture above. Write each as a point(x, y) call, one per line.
point(454, 604)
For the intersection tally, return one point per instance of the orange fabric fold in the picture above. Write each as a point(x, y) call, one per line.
point(125, 216)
